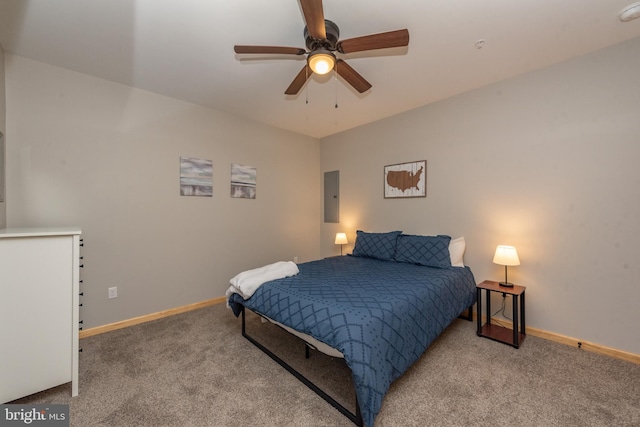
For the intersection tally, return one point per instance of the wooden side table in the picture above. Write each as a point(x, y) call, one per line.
point(497, 332)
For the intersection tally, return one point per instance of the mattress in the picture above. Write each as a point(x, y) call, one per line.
point(314, 343)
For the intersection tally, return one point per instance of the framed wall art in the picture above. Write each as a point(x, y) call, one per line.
point(196, 177)
point(1, 167)
point(243, 181)
point(405, 180)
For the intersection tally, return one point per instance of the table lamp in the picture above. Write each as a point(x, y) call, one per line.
point(507, 256)
point(341, 239)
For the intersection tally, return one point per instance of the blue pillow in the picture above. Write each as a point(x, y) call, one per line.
point(432, 251)
point(376, 245)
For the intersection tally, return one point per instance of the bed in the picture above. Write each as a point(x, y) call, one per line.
point(379, 309)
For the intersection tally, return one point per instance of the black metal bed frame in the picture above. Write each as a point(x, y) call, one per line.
point(356, 417)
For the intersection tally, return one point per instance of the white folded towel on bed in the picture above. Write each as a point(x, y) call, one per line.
point(247, 282)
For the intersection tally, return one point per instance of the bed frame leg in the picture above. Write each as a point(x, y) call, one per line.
point(469, 315)
point(355, 418)
point(358, 421)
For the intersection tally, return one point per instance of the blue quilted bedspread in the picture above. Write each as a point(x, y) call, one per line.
point(382, 315)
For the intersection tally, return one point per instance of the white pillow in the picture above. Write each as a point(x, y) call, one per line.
point(456, 251)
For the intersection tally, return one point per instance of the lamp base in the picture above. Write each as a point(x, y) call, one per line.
point(506, 284)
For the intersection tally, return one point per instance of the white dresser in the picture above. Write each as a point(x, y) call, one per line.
point(39, 300)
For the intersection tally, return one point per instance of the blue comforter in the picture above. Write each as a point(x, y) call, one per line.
point(382, 315)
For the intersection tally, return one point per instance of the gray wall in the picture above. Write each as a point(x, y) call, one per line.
point(3, 200)
point(547, 162)
point(86, 152)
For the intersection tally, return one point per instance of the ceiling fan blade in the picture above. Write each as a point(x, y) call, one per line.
point(314, 18)
point(352, 77)
point(299, 81)
point(374, 41)
point(278, 50)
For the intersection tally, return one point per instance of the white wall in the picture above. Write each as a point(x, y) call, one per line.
point(87, 152)
point(547, 162)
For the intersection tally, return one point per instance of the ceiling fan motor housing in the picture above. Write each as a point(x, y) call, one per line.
point(333, 34)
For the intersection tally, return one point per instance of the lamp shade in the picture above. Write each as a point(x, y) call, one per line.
point(506, 255)
point(321, 61)
point(341, 239)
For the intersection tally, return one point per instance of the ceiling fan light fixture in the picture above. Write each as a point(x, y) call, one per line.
point(321, 61)
point(630, 12)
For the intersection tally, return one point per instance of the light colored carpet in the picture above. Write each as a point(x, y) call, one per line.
point(195, 369)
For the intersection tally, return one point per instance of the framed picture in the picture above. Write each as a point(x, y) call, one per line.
point(243, 181)
point(196, 177)
point(1, 167)
point(405, 180)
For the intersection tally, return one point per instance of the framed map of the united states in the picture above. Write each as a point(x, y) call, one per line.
point(405, 180)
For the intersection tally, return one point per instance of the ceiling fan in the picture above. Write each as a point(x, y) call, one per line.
point(322, 41)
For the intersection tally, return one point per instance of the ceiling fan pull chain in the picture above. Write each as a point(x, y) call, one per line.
point(306, 88)
point(335, 80)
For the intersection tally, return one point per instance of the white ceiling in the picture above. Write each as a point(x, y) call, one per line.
point(184, 49)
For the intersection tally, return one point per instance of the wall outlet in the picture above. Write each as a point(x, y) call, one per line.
point(113, 292)
point(295, 259)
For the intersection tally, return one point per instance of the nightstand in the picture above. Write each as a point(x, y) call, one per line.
point(495, 332)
